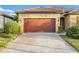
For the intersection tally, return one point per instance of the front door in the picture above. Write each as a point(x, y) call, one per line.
point(62, 23)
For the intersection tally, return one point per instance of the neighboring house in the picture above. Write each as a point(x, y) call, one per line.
point(3, 19)
point(47, 19)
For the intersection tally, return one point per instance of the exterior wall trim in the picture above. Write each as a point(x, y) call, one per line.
point(57, 20)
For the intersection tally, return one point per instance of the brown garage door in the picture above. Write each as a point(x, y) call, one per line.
point(39, 25)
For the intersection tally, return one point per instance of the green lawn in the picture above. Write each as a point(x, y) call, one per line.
point(72, 42)
point(4, 41)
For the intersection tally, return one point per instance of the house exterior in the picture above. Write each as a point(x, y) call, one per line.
point(72, 19)
point(3, 19)
point(46, 19)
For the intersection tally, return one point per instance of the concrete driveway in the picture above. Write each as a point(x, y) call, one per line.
point(39, 43)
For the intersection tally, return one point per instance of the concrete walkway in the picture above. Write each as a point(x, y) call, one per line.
point(39, 43)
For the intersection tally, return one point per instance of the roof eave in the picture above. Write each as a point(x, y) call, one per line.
point(38, 12)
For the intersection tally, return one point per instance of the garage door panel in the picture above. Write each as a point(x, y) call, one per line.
point(39, 25)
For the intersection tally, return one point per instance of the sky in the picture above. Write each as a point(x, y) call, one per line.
point(18, 7)
point(9, 9)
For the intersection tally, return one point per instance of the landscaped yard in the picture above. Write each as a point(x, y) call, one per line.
point(4, 40)
point(73, 42)
point(9, 32)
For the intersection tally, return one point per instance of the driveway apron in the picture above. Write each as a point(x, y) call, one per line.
point(39, 42)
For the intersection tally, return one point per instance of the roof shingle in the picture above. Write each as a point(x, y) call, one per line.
point(40, 10)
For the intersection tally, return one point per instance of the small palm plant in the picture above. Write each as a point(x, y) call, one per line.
point(15, 18)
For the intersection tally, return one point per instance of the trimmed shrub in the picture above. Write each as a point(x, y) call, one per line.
point(72, 32)
point(60, 29)
point(12, 27)
point(5, 35)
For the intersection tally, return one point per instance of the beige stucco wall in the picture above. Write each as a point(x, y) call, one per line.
point(67, 22)
point(1, 21)
point(22, 16)
point(71, 20)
